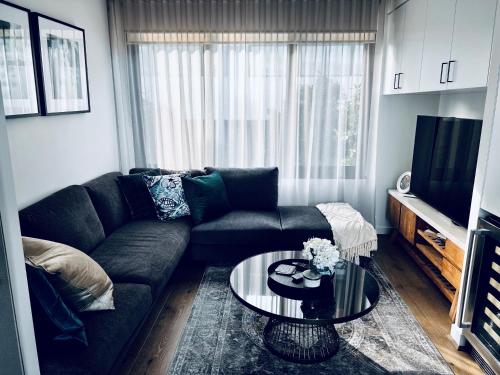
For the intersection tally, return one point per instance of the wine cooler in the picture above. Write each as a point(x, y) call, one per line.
point(480, 312)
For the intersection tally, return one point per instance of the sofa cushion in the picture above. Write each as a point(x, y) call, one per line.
point(250, 188)
point(144, 251)
point(239, 227)
point(108, 201)
point(299, 223)
point(206, 197)
point(67, 216)
point(108, 333)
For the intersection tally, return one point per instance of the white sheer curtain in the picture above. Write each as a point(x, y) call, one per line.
point(249, 84)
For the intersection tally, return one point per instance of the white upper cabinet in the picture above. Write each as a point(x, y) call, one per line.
point(413, 43)
point(405, 39)
point(437, 44)
point(472, 37)
point(394, 48)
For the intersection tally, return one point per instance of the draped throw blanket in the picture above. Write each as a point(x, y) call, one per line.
point(352, 233)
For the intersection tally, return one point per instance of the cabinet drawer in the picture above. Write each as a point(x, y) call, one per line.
point(394, 211)
point(451, 273)
point(454, 254)
point(408, 224)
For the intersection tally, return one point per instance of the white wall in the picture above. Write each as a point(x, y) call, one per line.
point(49, 153)
point(397, 121)
point(465, 105)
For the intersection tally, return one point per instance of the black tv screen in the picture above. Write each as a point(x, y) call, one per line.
point(444, 164)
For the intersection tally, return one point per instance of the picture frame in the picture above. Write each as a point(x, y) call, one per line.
point(61, 64)
point(18, 80)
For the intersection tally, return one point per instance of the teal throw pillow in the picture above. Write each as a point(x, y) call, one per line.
point(206, 197)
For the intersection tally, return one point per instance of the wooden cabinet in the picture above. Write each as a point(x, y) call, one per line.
point(408, 224)
point(418, 225)
point(394, 209)
point(454, 254)
point(438, 45)
point(451, 273)
point(402, 218)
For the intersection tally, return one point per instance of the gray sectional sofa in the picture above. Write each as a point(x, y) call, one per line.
point(141, 255)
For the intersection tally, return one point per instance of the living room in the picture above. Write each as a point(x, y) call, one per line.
point(243, 187)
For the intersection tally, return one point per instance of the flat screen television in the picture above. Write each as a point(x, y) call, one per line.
point(444, 164)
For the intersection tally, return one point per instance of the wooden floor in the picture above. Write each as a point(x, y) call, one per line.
point(154, 349)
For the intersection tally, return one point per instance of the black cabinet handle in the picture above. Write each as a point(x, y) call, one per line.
point(441, 74)
point(399, 80)
point(394, 85)
point(449, 68)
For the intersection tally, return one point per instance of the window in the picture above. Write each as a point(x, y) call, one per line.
point(245, 100)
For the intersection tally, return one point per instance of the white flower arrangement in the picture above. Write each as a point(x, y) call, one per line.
point(322, 254)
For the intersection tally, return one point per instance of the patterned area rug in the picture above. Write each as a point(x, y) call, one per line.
point(224, 337)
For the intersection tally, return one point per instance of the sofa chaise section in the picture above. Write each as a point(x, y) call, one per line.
point(299, 223)
point(235, 235)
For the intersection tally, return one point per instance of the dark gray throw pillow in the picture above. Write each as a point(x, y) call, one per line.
point(52, 318)
point(206, 197)
point(250, 188)
point(137, 195)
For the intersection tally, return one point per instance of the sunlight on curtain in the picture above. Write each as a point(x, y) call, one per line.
point(264, 83)
point(297, 106)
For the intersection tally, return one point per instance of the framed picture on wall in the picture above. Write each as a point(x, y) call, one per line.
point(17, 68)
point(61, 66)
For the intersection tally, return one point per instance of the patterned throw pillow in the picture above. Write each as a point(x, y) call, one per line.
point(168, 196)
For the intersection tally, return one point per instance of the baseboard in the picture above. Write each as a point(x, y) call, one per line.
point(384, 230)
point(457, 335)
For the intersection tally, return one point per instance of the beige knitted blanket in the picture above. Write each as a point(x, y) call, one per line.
point(352, 233)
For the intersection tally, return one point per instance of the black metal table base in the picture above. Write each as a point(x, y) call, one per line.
point(303, 343)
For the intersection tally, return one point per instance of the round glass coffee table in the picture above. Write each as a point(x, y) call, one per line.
point(302, 330)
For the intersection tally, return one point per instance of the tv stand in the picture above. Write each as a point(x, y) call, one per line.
point(416, 225)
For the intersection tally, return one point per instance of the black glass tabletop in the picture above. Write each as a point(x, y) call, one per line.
point(355, 292)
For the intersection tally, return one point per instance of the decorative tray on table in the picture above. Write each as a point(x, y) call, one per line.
point(284, 286)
